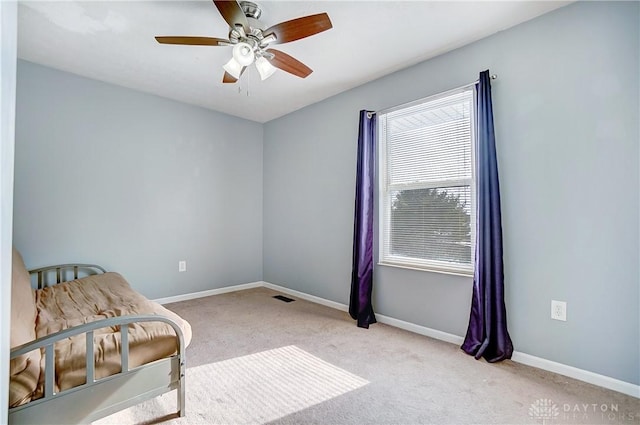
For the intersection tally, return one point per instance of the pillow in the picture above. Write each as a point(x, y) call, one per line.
point(24, 370)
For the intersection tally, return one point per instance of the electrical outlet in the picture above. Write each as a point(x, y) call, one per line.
point(559, 310)
point(182, 266)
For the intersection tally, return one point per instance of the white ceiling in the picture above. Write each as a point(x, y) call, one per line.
point(114, 42)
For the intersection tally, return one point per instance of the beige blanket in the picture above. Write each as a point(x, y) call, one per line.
point(93, 298)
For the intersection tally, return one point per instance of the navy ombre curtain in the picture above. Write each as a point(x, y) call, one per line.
point(360, 307)
point(487, 335)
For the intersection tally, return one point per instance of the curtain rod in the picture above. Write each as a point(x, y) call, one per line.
point(385, 110)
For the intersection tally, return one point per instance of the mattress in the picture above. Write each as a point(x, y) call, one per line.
point(99, 297)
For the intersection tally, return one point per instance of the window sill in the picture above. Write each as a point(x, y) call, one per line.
point(460, 273)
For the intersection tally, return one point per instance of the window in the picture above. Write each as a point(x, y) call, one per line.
point(426, 184)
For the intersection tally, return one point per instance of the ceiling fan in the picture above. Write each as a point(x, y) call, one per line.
point(251, 43)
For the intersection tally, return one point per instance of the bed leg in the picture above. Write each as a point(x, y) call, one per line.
point(181, 390)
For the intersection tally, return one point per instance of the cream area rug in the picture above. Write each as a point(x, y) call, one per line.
point(253, 389)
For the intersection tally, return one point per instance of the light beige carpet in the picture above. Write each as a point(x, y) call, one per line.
point(411, 379)
point(253, 389)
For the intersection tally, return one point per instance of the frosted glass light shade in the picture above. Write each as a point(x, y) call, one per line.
point(265, 69)
point(233, 68)
point(243, 54)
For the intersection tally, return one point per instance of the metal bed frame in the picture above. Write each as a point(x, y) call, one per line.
point(96, 399)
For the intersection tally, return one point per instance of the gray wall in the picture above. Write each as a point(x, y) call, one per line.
point(135, 182)
point(566, 115)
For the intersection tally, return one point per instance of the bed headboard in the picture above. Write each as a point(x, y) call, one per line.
point(63, 272)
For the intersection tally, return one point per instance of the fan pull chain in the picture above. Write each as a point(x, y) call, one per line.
point(248, 82)
point(246, 77)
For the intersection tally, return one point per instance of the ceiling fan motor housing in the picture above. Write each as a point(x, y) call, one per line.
point(251, 9)
point(255, 38)
point(253, 12)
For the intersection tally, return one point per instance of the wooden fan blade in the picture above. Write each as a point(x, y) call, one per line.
point(232, 13)
point(193, 41)
point(296, 29)
point(289, 64)
point(228, 78)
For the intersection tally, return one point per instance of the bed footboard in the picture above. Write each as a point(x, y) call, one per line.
point(96, 399)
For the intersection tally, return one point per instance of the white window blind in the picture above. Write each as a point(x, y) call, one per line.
point(427, 216)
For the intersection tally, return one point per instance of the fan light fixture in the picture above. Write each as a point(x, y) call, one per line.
point(233, 68)
point(265, 69)
point(243, 54)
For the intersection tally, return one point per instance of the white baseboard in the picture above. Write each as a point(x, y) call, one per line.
point(307, 297)
point(422, 330)
point(208, 293)
point(523, 358)
point(411, 327)
point(579, 374)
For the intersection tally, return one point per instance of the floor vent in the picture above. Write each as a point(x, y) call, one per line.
point(283, 298)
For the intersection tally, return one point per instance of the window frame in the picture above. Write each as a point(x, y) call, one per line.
point(384, 190)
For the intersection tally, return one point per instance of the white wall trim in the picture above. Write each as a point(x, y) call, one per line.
point(579, 374)
point(208, 293)
point(523, 358)
point(422, 330)
point(307, 297)
point(411, 327)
